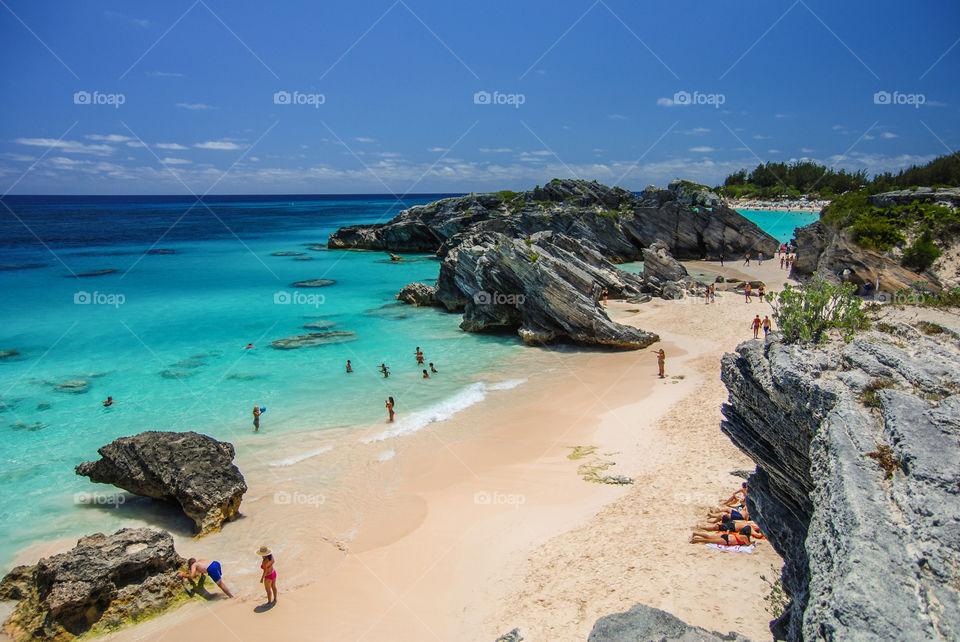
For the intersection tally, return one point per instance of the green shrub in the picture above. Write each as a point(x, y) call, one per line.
point(922, 253)
point(807, 312)
point(876, 233)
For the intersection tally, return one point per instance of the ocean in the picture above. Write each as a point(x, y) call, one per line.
point(164, 333)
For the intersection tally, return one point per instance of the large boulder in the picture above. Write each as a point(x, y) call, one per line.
point(190, 470)
point(658, 262)
point(870, 551)
point(546, 288)
point(643, 623)
point(102, 583)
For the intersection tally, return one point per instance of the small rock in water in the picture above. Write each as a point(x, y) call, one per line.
point(96, 272)
point(318, 248)
point(243, 376)
point(313, 339)
point(77, 386)
point(287, 253)
point(171, 373)
point(313, 283)
point(25, 426)
point(190, 363)
point(161, 251)
point(43, 405)
point(7, 354)
point(303, 258)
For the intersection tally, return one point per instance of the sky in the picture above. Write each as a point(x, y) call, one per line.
point(413, 96)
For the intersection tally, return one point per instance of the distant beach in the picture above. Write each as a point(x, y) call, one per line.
point(794, 205)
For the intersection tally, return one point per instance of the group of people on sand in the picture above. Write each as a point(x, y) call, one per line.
point(200, 568)
point(728, 524)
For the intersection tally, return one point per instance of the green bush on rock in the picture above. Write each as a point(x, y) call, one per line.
point(806, 313)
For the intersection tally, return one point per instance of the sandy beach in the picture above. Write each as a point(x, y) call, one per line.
point(484, 522)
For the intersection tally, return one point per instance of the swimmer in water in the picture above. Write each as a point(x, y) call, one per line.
point(256, 419)
point(250, 345)
point(426, 375)
point(385, 370)
point(419, 357)
point(349, 367)
point(108, 402)
point(432, 369)
point(389, 404)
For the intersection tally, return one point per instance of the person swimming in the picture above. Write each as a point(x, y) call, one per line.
point(432, 369)
point(109, 402)
point(426, 375)
point(250, 345)
point(389, 404)
point(349, 367)
point(385, 370)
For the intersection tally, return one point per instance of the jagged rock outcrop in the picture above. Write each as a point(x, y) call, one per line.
point(103, 582)
point(948, 196)
point(545, 287)
point(190, 470)
point(419, 294)
point(866, 557)
point(643, 623)
point(658, 263)
point(827, 253)
point(692, 222)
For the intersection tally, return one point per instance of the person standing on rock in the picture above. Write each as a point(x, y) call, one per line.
point(269, 575)
point(756, 323)
point(203, 567)
point(661, 360)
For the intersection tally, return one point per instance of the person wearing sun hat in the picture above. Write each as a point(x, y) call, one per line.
point(269, 576)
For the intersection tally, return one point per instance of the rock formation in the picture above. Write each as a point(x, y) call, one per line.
point(313, 339)
point(313, 283)
point(642, 623)
point(419, 294)
point(693, 222)
point(190, 470)
point(857, 484)
point(103, 582)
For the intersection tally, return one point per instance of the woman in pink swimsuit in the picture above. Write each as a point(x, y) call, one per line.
point(269, 576)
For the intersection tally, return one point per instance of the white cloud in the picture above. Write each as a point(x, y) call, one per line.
point(888, 135)
point(438, 149)
point(696, 131)
point(364, 139)
point(222, 145)
point(66, 146)
point(665, 102)
point(109, 138)
point(702, 149)
point(617, 117)
point(806, 150)
point(781, 116)
point(20, 157)
point(759, 137)
point(135, 143)
point(169, 146)
point(175, 161)
point(494, 150)
point(868, 137)
point(194, 106)
point(774, 151)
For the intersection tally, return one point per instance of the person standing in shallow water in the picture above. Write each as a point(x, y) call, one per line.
point(661, 361)
point(385, 370)
point(389, 405)
point(432, 369)
point(349, 367)
point(419, 356)
point(256, 419)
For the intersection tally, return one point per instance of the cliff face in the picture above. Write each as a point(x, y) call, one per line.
point(866, 557)
point(693, 223)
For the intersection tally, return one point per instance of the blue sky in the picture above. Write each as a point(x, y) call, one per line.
point(388, 96)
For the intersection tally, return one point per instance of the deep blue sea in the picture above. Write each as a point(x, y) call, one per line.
point(165, 332)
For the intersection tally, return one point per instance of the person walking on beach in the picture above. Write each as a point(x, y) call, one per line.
point(203, 567)
point(747, 259)
point(756, 326)
point(389, 405)
point(761, 290)
point(721, 259)
point(269, 575)
point(349, 367)
point(661, 360)
point(759, 258)
point(256, 418)
point(767, 324)
point(783, 260)
point(746, 291)
point(713, 293)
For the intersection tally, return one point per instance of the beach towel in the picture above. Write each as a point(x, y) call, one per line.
point(733, 549)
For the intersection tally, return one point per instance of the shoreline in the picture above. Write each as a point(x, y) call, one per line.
point(431, 559)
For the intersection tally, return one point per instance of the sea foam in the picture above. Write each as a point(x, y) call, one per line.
point(296, 459)
point(443, 410)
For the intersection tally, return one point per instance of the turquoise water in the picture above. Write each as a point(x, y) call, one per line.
point(780, 225)
point(165, 335)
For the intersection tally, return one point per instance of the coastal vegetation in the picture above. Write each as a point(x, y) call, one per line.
point(806, 313)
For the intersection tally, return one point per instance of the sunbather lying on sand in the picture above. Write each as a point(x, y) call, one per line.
point(731, 526)
point(740, 538)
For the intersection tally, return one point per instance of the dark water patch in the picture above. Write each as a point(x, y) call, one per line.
point(287, 253)
point(31, 427)
point(43, 405)
point(13, 267)
point(175, 373)
point(243, 376)
point(319, 325)
point(189, 364)
point(313, 283)
point(74, 387)
point(159, 251)
point(303, 258)
point(103, 272)
point(388, 311)
point(314, 339)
